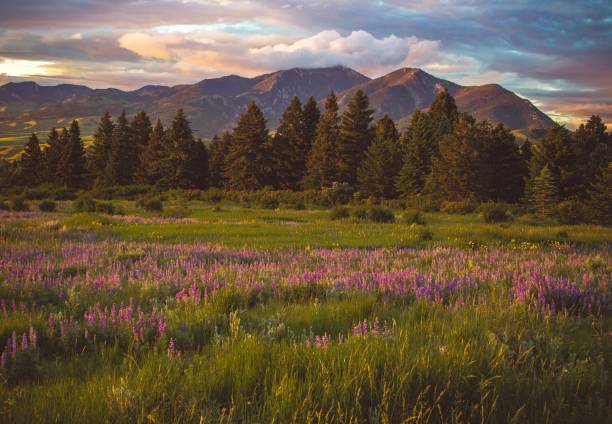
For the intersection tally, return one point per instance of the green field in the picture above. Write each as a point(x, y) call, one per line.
point(219, 313)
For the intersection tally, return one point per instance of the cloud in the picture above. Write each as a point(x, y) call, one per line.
point(359, 49)
point(531, 46)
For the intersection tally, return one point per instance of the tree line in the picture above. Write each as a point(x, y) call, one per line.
point(443, 154)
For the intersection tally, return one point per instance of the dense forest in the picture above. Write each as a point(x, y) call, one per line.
point(443, 155)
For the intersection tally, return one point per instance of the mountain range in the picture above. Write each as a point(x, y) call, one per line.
point(213, 105)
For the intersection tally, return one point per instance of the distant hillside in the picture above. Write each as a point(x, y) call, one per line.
point(213, 105)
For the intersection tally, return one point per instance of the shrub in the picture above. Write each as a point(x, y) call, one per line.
point(339, 212)
point(414, 217)
point(458, 207)
point(105, 207)
point(493, 213)
point(297, 204)
point(360, 213)
point(18, 204)
point(85, 203)
point(4, 206)
point(381, 214)
point(151, 204)
point(36, 194)
point(47, 206)
point(268, 202)
point(570, 212)
point(338, 193)
point(64, 194)
point(425, 234)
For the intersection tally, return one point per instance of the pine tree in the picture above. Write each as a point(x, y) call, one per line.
point(185, 154)
point(312, 114)
point(71, 166)
point(290, 147)
point(418, 156)
point(502, 168)
point(154, 160)
point(443, 116)
point(593, 147)
point(103, 139)
point(355, 137)
point(457, 170)
point(120, 165)
point(599, 202)
point(557, 151)
point(219, 149)
point(385, 129)
point(545, 192)
point(140, 130)
point(199, 165)
point(250, 165)
point(322, 160)
point(31, 163)
point(382, 162)
point(53, 154)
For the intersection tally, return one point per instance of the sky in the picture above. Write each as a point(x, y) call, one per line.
point(558, 54)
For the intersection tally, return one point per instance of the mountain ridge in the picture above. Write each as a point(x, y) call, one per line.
point(213, 105)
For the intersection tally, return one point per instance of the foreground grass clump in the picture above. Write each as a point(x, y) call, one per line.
point(96, 326)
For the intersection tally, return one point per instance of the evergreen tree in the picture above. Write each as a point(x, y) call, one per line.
point(502, 167)
point(71, 166)
point(355, 137)
point(385, 129)
point(599, 202)
point(219, 149)
point(154, 160)
point(382, 163)
point(557, 152)
point(52, 155)
point(121, 163)
point(185, 154)
point(250, 164)
point(199, 165)
point(443, 116)
point(417, 159)
point(140, 130)
point(457, 170)
point(312, 114)
point(593, 152)
point(545, 192)
point(290, 147)
point(103, 139)
point(31, 163)
point(322, 159)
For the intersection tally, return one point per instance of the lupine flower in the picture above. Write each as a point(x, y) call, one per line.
point(171, 347)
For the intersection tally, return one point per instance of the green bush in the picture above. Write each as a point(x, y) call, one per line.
point(381, 214)
point(297, 204)
point(47, 206)
point(18, 204)
point(4, 206)
point(36, 194)
point(570, 212)
point(105, 207)
point(85, 203)
point(360, 213)
point(414, 217)
point(64, 194)
point(494, 212)
point(269, 202)
point(154, 204)
point(339, 212)
point(425, 234)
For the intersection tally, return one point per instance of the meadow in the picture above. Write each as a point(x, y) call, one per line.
point(219, 313)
